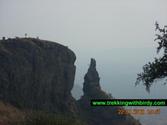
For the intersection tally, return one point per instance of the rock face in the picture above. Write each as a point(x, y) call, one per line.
point(37, 74)
point(99, 115)
point(91, 80)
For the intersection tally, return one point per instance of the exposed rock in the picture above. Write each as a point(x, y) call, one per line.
point(91, 80)
point(37, 74)
point(99, 115)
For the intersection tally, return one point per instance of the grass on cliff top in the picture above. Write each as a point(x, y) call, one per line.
point(10, 115)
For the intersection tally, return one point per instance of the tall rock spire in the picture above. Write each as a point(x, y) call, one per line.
point(91, 80)
point(99, 115)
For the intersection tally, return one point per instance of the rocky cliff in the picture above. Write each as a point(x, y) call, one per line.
point(37, 74)
point(99, 115)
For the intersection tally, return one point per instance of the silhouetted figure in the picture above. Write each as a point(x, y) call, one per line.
point(25, 35)
point(17, 37)
point(3, 38)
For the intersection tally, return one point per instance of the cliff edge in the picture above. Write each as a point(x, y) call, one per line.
point(37, 74)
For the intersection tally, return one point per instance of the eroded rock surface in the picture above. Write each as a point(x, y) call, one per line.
point(37, 74)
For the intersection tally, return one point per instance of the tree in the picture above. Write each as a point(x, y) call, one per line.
point(158, 68)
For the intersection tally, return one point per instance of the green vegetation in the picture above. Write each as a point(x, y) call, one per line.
point(158, 68)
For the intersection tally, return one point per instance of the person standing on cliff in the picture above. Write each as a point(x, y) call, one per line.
point(25, 35)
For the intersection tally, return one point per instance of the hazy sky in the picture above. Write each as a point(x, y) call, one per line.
point(119, 34)
point(84, 23)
